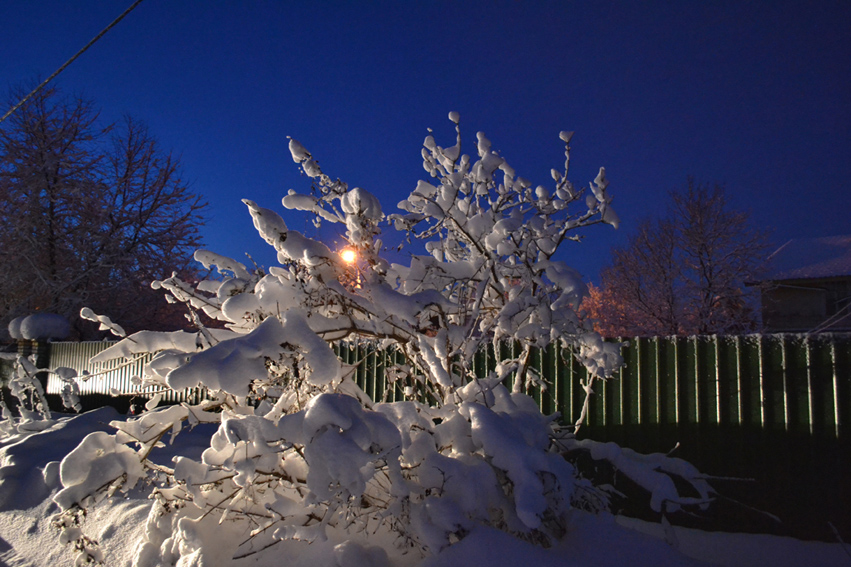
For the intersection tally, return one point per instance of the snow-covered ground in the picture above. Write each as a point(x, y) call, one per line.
point(29, 476)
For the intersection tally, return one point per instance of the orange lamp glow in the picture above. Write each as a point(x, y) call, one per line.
point(348, 255)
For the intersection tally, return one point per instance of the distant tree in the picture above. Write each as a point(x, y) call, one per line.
point(89, 215)
point(685, 273)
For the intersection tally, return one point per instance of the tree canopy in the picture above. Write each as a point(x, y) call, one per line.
point(685, 273)
point(90, 215)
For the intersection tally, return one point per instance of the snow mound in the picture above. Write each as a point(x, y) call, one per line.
point(29, 464)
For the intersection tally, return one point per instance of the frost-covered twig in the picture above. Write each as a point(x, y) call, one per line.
point(105, 322)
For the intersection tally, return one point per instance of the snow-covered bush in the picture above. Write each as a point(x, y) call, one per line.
point(34, 411)
point(24, 383)
point(301, 453)
point(27, 388)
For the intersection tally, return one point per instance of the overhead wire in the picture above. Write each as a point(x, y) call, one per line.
point(62, 68)
point(832, 320)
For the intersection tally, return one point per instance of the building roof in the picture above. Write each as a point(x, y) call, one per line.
point(810, 258)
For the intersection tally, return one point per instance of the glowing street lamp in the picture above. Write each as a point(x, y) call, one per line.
point(349, 255)
point(351, 277)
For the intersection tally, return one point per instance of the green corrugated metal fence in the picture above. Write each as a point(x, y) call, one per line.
point(792, 383)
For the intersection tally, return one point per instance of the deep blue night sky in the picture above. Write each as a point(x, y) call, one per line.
point(751, 94)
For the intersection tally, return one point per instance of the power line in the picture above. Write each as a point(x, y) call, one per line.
point(832, 320)
point(62, 68)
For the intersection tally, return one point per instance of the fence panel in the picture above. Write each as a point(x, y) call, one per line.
point(113, 377)
point(842, 389)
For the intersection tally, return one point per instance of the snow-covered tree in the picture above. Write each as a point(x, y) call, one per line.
point(89, 214)
point(300, 452)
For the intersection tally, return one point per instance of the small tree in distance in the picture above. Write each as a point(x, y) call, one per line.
point(89, 216)
point(683, 274)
